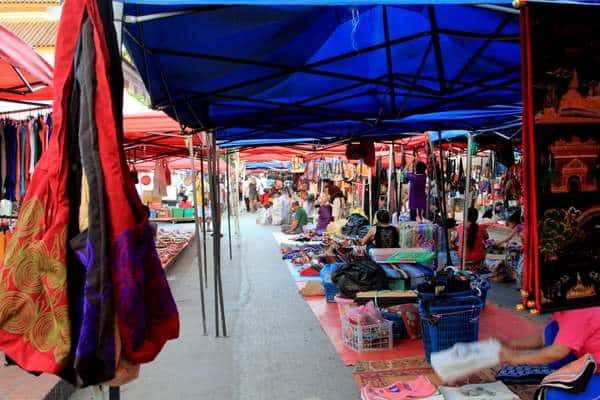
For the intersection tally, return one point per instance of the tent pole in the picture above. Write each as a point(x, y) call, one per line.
point(370, 180)
point(436, 178)
point(492, 181)
point(444, 206)
point(203, 194)
point(228, 184)
point(190, 143)
point(467, 199)
point(217, 233)
point(389, 180)
point(211, 185)
point(400, 191)
point(237, 185)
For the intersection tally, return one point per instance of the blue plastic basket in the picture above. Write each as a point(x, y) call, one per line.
point(331, 290)
point(448, 321)
point(484, 286)
point(398, 328)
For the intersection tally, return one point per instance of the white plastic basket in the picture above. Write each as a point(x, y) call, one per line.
point(365, 338)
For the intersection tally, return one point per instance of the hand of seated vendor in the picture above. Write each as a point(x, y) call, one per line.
point(292, 228)
point(531, 351)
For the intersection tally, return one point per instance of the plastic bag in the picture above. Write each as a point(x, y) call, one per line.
point(328, 270)
point(464, 359)
point(359, 276)
point(365, 315)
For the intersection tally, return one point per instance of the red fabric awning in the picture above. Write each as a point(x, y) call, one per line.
point(179, 163)
point(24, 75)
point(153, 135)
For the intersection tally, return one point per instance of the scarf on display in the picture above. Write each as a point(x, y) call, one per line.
point(88, 312)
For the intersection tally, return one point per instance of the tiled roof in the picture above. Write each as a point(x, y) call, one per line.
point(34, 32)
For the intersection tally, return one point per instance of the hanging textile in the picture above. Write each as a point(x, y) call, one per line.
point(113, 310)
point(3, 157)
point(10, 137)
point(162, 178)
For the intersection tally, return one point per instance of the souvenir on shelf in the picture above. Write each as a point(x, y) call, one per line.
point(562, 267)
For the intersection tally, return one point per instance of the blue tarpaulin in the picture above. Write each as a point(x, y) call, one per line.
point(296, 72)
point(268, 165)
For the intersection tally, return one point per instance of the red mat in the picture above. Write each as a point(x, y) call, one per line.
point(495, 322)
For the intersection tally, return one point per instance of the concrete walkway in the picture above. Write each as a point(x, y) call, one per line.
point(276, 348)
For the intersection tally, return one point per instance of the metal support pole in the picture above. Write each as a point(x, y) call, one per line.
point(492, 181)
point(237, 185)
point(370, 180)
point(389, 182)
point(435, 178)
point(190, 144)
point(114, 393)
point(400, 191)
point(203, 193)
point(443, 204)
point(219, 305)
point(228, 183)
point(467, 200)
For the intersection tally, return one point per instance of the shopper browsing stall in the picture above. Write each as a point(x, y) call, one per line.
point(300, 219)
point(384, 235)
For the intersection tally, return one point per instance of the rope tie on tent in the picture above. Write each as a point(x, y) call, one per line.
point(355, 23)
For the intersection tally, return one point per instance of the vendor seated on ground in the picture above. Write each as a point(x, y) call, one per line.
point(476, 237)
point(384, 235)
point(184, 203)
point(300, 219)
point(569, 335)
point(514, 223)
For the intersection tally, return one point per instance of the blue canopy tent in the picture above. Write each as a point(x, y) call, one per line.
point(327, 72)
point(272, 165)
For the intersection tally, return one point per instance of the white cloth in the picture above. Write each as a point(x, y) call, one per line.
point(464, 359)
point(6, 207)
point(337, 208)
point(479, 391)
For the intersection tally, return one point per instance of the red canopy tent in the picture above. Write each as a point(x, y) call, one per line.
point(25, 77)
point(178, 163)
point(153, 135)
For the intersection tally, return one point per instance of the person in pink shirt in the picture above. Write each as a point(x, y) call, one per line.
point(578, 333)
point(571, 334)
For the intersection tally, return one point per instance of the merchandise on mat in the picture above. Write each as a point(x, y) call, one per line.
point(523, 374)
point(411, 319)
point(572, 378)
point(464, 359)
point(419, 388)
point(169, 244)
point(359, 276)
point(479, 391)
point(387, 298)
